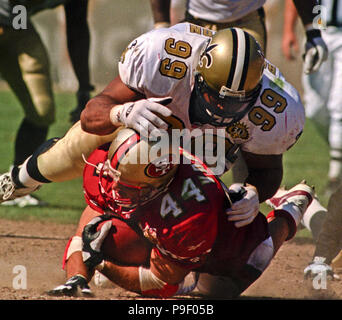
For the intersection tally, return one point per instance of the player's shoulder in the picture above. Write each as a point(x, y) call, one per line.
point(277, 119)
point(155, 39)
point(274, 80)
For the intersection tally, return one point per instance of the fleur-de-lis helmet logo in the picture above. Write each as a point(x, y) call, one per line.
point(206, 58)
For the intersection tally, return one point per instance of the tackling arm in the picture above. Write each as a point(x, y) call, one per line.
point(95, 118)
point(118, 105)
point(265, 173)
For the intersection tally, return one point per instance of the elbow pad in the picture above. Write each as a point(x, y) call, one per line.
point(152, 286)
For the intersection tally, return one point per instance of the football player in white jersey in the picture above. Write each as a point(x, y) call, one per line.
point(323, 105)
point(248, 15)
point(208, 81)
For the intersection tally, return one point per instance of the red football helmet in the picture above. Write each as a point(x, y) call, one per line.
point(136, 170)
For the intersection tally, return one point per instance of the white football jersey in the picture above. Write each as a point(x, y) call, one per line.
point(162, 62)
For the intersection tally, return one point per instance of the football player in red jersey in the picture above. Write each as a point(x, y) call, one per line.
point(179, 206)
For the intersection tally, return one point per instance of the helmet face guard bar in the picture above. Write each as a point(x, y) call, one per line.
point(221, 110)
point(117, 193)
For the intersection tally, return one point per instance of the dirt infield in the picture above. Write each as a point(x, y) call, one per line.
point(36, 248)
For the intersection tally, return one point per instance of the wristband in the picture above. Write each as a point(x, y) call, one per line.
point(114, 115)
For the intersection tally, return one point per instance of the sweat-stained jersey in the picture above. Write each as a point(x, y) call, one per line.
point(187, 223)
point(162, 63)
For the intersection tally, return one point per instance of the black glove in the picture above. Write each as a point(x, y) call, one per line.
point(93, 239)
point(75, 286)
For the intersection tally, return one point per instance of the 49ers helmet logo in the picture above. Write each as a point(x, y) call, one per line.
point(159, 167)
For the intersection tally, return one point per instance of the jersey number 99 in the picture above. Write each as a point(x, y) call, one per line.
point(175, 69)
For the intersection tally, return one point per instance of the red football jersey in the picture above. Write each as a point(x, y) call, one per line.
point(181, 222)
point(187, 223)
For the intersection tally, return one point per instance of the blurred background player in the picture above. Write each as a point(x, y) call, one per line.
point(248, 15)
point(199, 235)
point(78, 43)
point(24, 64)
point(25, 67)
point(327, 257)
point(78, 39)
point(322, 89)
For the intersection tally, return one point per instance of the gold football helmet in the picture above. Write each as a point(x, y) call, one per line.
point(137, 169)
point(227, 78)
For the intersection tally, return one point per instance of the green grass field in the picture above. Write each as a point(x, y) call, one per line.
point(308, 159)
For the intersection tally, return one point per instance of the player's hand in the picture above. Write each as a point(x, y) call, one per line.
point(318, 266)
point(76, 285)
point(316, 51)
point(93, 239)
point(142, 115)
point(244, 210)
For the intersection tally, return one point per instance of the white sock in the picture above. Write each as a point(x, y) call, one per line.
point(335, 169)
point(25, 178)
point(312, 209)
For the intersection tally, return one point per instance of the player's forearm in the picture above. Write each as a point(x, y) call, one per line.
point(290, 16)
point(124, 276)
point(145, 281)
point(267, 182)
point(305, 10)
point(95, 118)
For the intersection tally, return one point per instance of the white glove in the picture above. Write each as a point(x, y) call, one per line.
point(316, 51)
point(245, 210)
point(318, 266)
point(142, 115)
